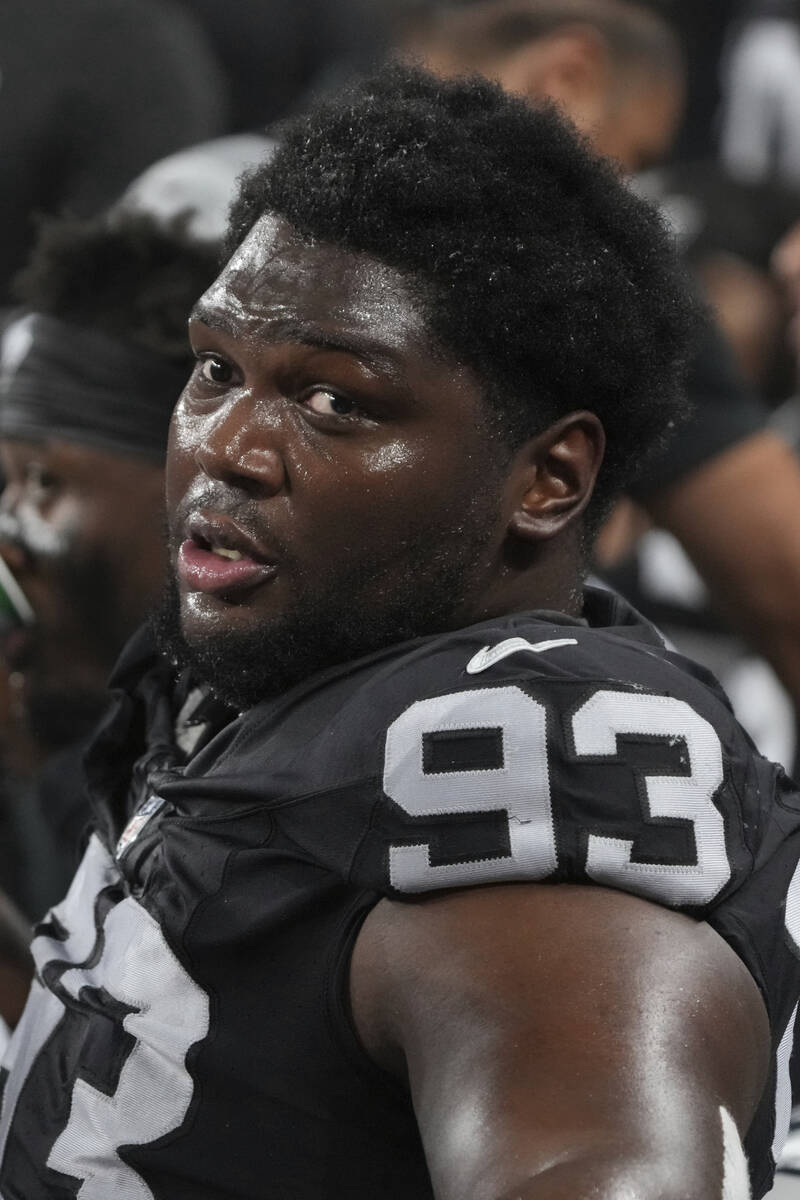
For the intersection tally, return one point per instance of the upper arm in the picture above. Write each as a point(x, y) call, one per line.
point(750, 481)
point(576, 1037)
point(752, 490)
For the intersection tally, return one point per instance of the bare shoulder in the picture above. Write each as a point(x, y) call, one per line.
point(558, 1017)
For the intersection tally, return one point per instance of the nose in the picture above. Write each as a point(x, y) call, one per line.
point(241, 447)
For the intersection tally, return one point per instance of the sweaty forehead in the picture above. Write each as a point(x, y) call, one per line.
point(278, 280)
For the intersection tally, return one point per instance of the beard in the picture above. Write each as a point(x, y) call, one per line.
point(362, 605)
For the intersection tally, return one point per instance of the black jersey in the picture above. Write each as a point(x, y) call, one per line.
point(188, 1033)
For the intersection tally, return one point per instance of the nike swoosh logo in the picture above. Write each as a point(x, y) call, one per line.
point(489, 655)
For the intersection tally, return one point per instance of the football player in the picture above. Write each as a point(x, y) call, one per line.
point(419, 869)
point(89, 371)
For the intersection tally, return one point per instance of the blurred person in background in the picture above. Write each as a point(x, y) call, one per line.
point(727, 230)
point(91, 92)
point(616, 70)
point(277, 58)
point(88, 379)
point(274, 51)
point(727, 488)
point(742, 81)
point(786, 265)
point(760, 115)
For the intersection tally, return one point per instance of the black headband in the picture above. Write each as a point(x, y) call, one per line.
point(65, 381)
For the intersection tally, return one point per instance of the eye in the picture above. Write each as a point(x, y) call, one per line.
point(39, 478)
point(330, 404)
point(215, 369)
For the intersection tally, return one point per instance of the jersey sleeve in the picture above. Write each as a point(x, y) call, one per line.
point(556, 753)
point(586, 760)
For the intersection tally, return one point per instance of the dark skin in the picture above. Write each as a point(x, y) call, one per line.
point(557, 1042)
point(318, 473)
point(561, 1043)
point(16, 965)
point(80, 528)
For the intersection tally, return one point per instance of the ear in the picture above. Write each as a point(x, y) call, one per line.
point(571, 65)
point(553, 476)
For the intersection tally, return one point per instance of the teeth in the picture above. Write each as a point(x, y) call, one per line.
point(233, 555)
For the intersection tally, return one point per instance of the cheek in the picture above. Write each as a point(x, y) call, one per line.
point(390, 460)
point(404, 469)
point(431, 476)
point(180, 459)
point(383, 497)
point(368, 488)
point(51, 536)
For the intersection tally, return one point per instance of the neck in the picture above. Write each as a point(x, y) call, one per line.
point(539, 577)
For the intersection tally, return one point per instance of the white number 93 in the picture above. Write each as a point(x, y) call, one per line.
point(520, 786)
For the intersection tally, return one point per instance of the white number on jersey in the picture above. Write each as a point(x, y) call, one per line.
point(783, 1087)
point(519, 786)
point(171, 1012)
point(595, 728)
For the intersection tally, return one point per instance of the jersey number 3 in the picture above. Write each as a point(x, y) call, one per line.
point(519, 785)
point(126, 960)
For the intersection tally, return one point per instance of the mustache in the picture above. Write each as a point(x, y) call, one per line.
point(234, 503)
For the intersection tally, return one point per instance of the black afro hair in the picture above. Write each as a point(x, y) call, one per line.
point(534, 263)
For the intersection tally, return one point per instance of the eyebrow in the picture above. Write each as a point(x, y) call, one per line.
point(306, 333)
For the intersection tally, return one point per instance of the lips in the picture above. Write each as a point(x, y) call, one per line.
point(218, 557)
